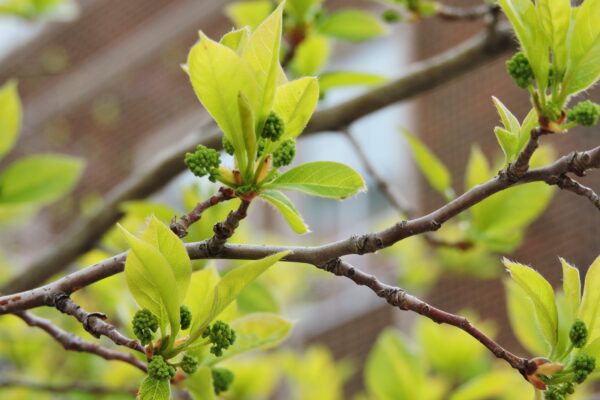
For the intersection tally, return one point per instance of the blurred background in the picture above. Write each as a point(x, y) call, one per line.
point(103, 82)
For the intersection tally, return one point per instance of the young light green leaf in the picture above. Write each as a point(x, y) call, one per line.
point(151, 280)
point(302, 10)
point(236, 40)
point(541, 294)
point(430, 166)
point(529, 123)
point(353, 25)
point(254, 331)
point(493, 385)
point(555, 18)
point(478, 168)
point(200, 384)
point(523, 17)
point(218, 74)
point(229, 288)
point(249, 13)
point(10, 117)
point(311, 56)
point(248, 132)
point(337, 79)
point(172, 248)
point(262, 54)
point(584, 49)
point(39, 179)
point(508, 143)
point(198, 298)
point(321, 178)
point(510, 122)
point(589, 311)
point(571, 286)
point(286, 208)
point(295, 103)
point(153, 389)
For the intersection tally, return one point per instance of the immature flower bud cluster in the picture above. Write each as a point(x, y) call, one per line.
point(222, 379)
point(228, 146)
point(160, 370)
point(284, 154)
point(274, 127)
point(144, 325)
point(519, 68)
point(221, 336)
point(583, 365)
point(203, 161)
point(185, 316)
point(559, 392)
point(578, 334)
point(189, 364)
point(585, 113)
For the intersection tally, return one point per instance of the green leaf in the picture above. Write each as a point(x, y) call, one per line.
point(311, 55)
point(498, 385)
point(510, 122)
point(555, 18)
point(590, 303)
point(593, 349)
point(257, 297)
point(198, 298)
point(337, 79)
point(200, 384)
point(295, 103)
point(10, 117)
point(430, 166)
point(254, 331)
point(353, 25)
point(541, 294)
point(530, 122)
point(478, 168)
point(527, 330)
point(229, 288)
point(508, 143)
point(302, 10)
point(523, 17)
point(152, 389)
point(236, 39)
point(39, 179)
point(151, 281)
point(249, 134)
point(249, 13)
point(172, 248)
point(287, 209)
point(218, 74)
point(584, 49)
point(571, 286)
point(262, 54)
point(321, 178)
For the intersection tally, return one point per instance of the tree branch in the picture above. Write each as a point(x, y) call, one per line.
point(452, 13)
point(8, 382)
point(224, 230)
point(421, 77)
point(577, 163)
point(74, 343)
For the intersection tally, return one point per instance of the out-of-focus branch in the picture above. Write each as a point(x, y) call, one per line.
point(74, 343)
point(419, 78)
point(78, 387)
point(452, 13)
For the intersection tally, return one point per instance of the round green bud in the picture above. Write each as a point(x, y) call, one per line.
point(391, 16)
point(159, 369)
point(520, 70)
point(203, 161)
point(222, 379)
point(185, 316)
point(274, 127)
point(585, 113)
point(189, 364)
point(228, 146)
point(260, 147)
point(221, 336)
point(584, 362)
point(568, 388)
point(284, 155)
point(144, 325)
point(580, 376)
point(578, 334)
point(553, 393)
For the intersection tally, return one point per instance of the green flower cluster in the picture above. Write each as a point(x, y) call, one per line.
point(228, 146)
point(144, 325)
point(284, 154)
point(203, 161)
point(160, 370)
point(578, 334)
point(519, 69)
point(583, 365)
point(189, 364)
point(185, 316)
point(222, 379)
point(559, 392)
point(274, 127)
point(221, 336)
point(585, 113)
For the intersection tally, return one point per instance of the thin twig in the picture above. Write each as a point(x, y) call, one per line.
point(225, 229)
point(81, 387)
point(74, 343)
point(566, 183)
point(419, 78)
point(180, 227)
point(452, 13)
